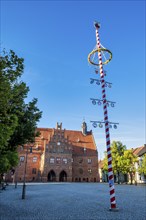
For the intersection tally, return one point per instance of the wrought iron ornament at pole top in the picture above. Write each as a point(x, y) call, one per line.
point(99, 49)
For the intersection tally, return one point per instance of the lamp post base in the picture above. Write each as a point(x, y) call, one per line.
point(15, 185)
point(23, 191)
point(114, 209)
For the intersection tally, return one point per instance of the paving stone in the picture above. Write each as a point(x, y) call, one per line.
point(72, 201)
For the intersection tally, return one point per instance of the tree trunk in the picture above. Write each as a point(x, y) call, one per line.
point(131, 178)
point(118, 177)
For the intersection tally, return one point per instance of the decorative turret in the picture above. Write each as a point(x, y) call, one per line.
point(59, 126)
point(84, 128)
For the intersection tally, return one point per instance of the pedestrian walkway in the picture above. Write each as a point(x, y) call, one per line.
point(72, 201)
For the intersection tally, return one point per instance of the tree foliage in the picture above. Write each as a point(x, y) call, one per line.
point(128, 163)
point(122, 160)
point(11, 68)
point(18, 119)
point(8, 160)
point(142, 168)
point(117, 150)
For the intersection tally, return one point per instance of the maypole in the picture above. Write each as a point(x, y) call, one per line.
point(100, 64)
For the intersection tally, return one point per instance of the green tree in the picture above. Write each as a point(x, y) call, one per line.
point(117, 150)
point(105, 162)
point(18, 119)
point(8, 160)
point(25, 131)
point(11, 68)
point(123, 160)
point(142, 167)
point(128, 163)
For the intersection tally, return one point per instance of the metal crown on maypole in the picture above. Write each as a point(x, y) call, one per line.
point(101, 51)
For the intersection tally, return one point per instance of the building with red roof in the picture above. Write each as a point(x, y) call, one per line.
point(139, 152)
point(59, 155)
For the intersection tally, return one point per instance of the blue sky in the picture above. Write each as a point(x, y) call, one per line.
point(55, 38)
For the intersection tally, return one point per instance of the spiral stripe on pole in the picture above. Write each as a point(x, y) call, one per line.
point(110, 170)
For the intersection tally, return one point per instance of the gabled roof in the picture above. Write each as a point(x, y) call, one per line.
point(76, 138)
point(139, 151)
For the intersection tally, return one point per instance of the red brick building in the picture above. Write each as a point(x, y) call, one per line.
point(60, 155)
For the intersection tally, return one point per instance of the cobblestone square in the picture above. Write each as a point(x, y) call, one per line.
point(72, 201)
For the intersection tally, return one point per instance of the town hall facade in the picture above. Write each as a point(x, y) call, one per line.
point(59, 155)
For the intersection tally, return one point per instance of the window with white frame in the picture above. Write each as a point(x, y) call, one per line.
point(58, 160)
point(34, 159)
point(64, 160)
point(22, 159)
point(52, 160)
point(89, 160)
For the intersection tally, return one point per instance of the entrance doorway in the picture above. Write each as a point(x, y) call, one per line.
point(63, 176)
point(51, 176)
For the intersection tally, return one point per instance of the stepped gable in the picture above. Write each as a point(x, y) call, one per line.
point(59, 155)
point(76, 138)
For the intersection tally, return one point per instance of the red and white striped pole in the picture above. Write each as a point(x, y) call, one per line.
point(110, 170)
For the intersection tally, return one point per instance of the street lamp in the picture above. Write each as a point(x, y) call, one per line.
point(24, 185)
